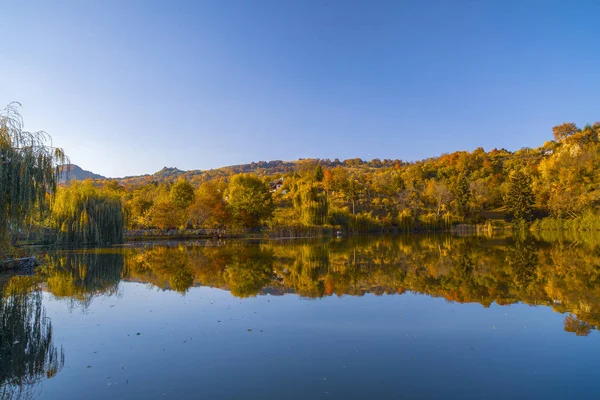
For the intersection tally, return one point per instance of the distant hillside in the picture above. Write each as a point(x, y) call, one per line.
point(167, 173)
point(77, 173)
point(261, 168)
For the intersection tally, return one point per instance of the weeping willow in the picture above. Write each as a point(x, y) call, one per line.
point(312, 205)
point(29, 170)
point(84, 214)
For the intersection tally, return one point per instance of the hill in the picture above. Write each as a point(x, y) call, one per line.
point(261, 168)
point(554, 186)
point(74, 172)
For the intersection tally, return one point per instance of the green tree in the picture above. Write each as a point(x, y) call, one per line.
point(29, 170)
point(319, 174)
point(462, 195)
point(182, 193)
point(520, 199)
point(84, 214)
point(249, 200)
point(311, 204)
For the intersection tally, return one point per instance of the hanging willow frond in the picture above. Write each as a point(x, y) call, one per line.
point(29, 170)
point(84, 214)
point(312, 205)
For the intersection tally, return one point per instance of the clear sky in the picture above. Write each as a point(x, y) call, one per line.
point(127, 87)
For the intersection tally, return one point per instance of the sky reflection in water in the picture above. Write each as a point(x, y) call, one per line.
point(126, 334)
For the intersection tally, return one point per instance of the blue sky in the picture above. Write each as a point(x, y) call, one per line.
point(127, 87)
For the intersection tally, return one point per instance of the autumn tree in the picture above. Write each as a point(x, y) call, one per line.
point(352, 193)
point(209, 208)
point(564, 131)
point(182, 193)
point(439, 195)
point(249, 200)
point(480, 195)
point(138, 207)
point(339, 179)
point(328, 181)
point(165, 215)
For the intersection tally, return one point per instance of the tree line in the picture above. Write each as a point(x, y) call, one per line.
point(553, 187)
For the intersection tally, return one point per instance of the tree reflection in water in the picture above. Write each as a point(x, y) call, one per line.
point(79, 277)
point(563, 274)
point(27, 351)
point(559, 272)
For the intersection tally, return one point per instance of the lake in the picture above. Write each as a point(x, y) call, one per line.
point(415, 317)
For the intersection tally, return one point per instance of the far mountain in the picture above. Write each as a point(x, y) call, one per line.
point(76, 173)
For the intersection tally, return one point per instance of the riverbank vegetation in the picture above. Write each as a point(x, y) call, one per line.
point(553, 187)
point(29, 172)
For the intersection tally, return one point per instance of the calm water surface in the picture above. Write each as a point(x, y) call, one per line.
point(409, 317)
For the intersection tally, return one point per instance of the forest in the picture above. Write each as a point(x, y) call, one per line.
point(553, 187)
